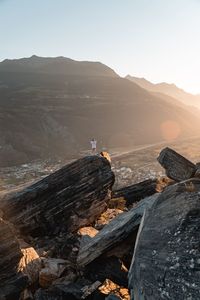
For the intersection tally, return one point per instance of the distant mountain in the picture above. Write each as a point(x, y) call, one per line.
point(168, 89)
point(52, 107)
point(57, 65)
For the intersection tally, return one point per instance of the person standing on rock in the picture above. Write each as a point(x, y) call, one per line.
point(93, 143)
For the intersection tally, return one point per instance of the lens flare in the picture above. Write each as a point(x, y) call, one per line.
point(170, 130)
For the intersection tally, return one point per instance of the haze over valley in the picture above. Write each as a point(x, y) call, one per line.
point(52, 107)
point(168, 89)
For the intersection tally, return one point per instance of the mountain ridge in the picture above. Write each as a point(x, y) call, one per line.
point(56, 65)
point(50, 115)
point(169, 89)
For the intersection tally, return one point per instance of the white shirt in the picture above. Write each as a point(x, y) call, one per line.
point(94, 144)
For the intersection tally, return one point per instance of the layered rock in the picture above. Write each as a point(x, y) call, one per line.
point(116, 232)
point(84, 263)
point(136, 192)
point(12, 281)
point(176, 166)
point(66, 200)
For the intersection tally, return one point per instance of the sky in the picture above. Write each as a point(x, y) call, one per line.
point(155, 39)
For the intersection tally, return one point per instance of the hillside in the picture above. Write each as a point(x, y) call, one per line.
point(52, 107)
point(168, 89)
point(56, 65)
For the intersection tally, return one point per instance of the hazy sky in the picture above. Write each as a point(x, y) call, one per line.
point(155, 39)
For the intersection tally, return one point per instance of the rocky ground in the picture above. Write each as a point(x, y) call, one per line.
point(75, 235)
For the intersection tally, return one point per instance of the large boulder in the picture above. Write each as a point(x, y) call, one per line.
point(176, 166)
point(166, 262)
point(66, 200)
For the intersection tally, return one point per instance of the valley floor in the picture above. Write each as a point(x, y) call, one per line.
point(129, 165)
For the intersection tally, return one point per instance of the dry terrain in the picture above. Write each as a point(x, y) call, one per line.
point(129, 165)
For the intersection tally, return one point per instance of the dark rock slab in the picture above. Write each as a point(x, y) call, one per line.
point(166, 262)
point(113, 233)
point(112, 297)
point(136, 192)
point(107, 268)
point(197, 173)
point(82, 289)
point(70, 198)
point(12, 282)
point(176, 166)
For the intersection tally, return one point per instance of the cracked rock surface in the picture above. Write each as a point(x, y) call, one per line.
point(166, 262)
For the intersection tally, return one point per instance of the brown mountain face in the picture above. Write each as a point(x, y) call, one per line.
point(168, 89)
point(58, 65)
point(52, 107)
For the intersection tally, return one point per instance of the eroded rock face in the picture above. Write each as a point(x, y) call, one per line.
point(12, 281)
point(114, 233)
point(66, 200)
point(166, 262)
point(134, 193)
point(176, 166)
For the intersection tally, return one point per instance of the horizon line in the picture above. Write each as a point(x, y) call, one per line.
point(98, 61)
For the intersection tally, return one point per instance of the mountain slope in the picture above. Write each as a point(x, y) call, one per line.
point(55, 114)
point(168, 89)
point(57, 65)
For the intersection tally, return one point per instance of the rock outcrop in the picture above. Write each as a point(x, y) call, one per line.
point(136, 192)
point(177, 167)
point(114, 233)
point(66, 200)
point(152, 246)
point(12, 281)
point(166, 261)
